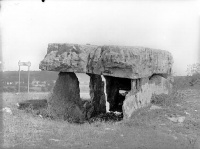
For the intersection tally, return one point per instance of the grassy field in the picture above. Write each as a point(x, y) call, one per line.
point(150, 129)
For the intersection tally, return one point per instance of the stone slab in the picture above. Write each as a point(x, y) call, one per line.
point(142, 96)
point(117, 61)
point(64, 102)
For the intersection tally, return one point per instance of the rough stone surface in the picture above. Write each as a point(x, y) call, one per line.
point(65, 102)
point(141, 94)
point(97, 96)
point(118, 61)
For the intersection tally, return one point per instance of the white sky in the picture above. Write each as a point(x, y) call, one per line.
point(28, 27)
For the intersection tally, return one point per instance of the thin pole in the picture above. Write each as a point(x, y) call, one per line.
point(28, 77)
point(19, 80)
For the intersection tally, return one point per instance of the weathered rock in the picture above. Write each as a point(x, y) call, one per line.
point(65, 102)
point(141, 95)
point(117, 61)
point(142, 72)
point(97, 96)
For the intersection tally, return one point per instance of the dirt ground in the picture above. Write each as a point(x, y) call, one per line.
point(150, 128)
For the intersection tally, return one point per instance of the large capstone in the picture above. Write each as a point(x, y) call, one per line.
point(117, 61)
point(65, 102)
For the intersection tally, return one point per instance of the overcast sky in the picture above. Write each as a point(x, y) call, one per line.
point(28, 26)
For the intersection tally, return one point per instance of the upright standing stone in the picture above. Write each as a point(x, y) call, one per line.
point(65, 102)
point(142, 91)
point(97, 95)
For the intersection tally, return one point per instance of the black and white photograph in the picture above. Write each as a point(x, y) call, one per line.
point(100, 74)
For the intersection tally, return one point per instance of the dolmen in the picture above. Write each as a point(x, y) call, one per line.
point(122, 79)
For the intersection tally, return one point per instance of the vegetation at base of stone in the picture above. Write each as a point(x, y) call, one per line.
point(43, 112)
point(39, 107)
point(66, 104)
point(180, 82)
point(106, 117)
